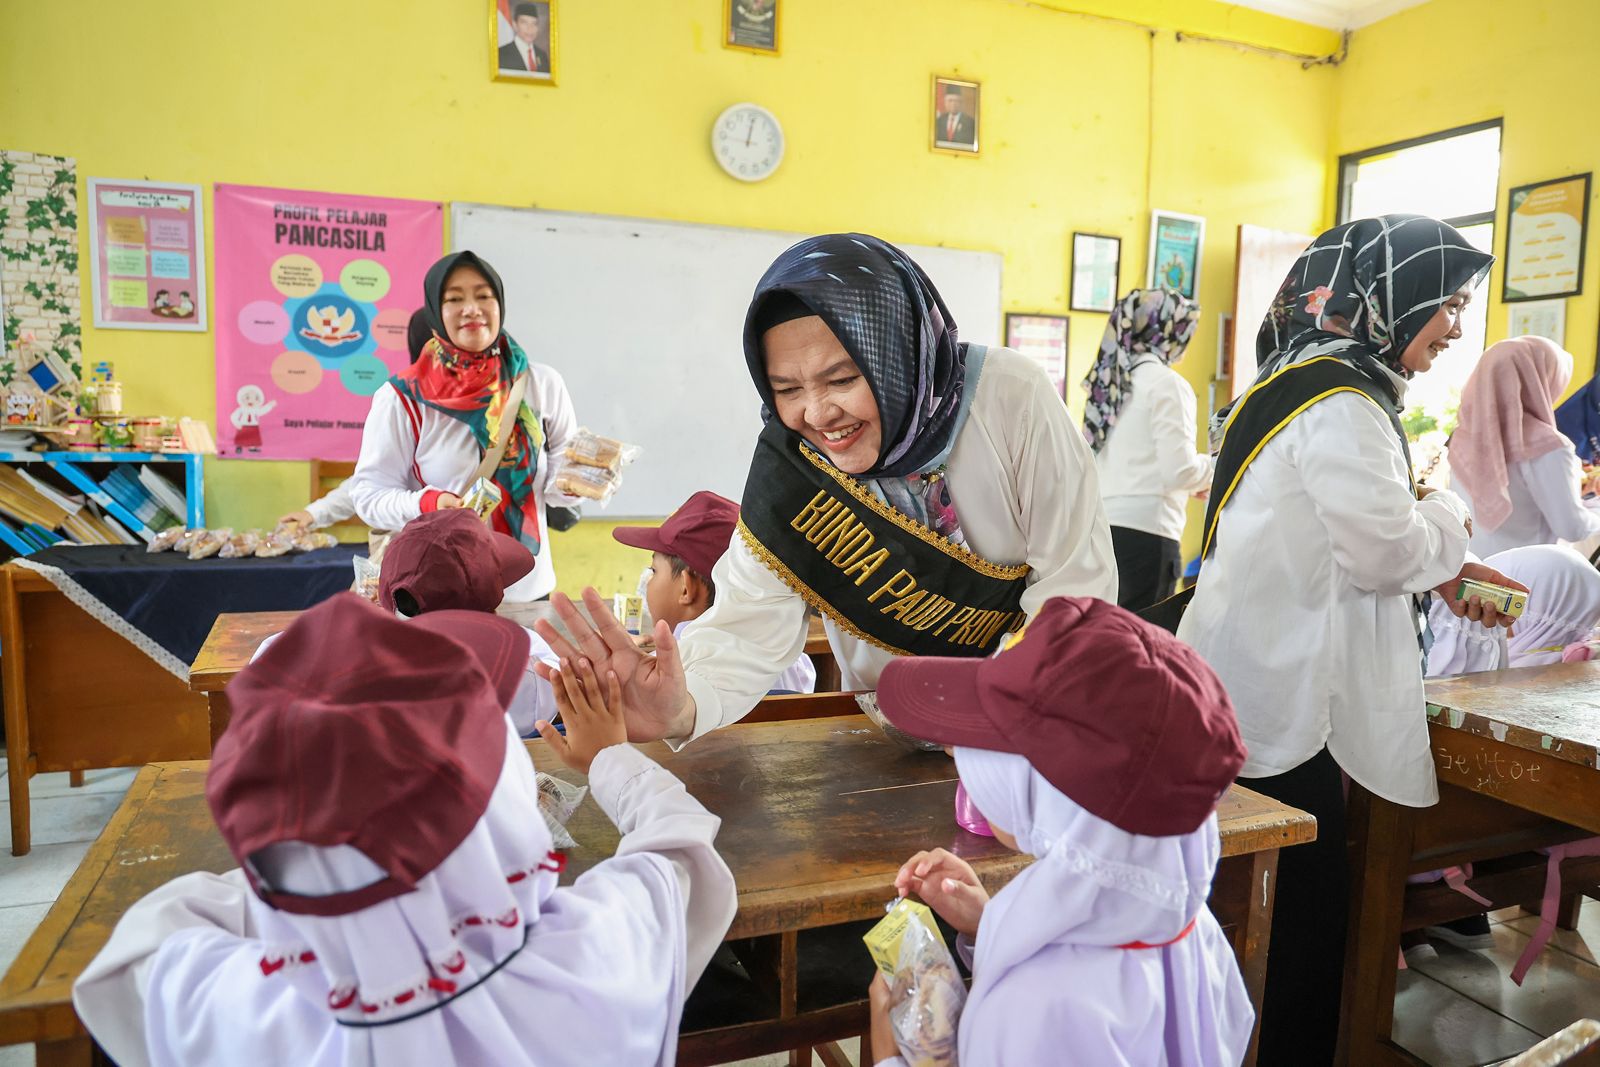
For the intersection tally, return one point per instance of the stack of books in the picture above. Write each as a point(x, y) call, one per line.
point(35, 515)
point(133, 491)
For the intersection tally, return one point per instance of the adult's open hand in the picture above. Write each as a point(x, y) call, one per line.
point(654, 697)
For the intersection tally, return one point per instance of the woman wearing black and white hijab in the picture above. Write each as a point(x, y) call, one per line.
point(925, 494)
point(1318, 550)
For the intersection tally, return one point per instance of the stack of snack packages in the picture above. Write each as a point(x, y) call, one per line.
point(591, 466)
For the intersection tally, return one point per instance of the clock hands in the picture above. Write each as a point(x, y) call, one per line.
point(752, 132)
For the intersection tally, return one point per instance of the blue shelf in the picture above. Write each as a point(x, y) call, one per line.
point(66, 463)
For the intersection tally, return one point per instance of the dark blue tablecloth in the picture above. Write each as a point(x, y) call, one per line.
point(174, 600)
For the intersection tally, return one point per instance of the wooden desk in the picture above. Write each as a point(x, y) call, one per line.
point(1516, 754)
point(234, 638)
point(105, 703)
point(817, 816)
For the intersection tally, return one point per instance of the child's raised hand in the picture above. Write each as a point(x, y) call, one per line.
point(947, 884)
point(594, 722)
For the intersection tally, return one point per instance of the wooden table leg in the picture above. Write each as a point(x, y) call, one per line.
point(75, 778)
point(789, 989)
point(19, 764)
point(1381, 835)
point(1253, 937)
point(219, 710)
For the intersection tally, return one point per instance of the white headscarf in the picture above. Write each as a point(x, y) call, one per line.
point(1563, 601)
point(564, 974)
point(1048, 972)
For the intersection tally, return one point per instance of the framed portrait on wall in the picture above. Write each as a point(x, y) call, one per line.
point(1096, 266)
point(751, 25)
point(1043, 338)
point(1175, 244)
point(1545, 237)
point(522, 41)
point(955, 116)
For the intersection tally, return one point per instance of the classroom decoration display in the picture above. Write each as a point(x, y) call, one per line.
point(1539, 318)
point(1043, 339)
point(314, 293)
point(1549, 225)
point(1096, 266)
point(1175, 244)
point(955, 116)
point(522, 41)
point(147, 254)
point(751, 25)
point(39, 258)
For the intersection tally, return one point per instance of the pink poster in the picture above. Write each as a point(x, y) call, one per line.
point(147, 245)
point(314, 292)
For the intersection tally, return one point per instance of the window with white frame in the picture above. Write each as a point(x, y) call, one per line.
point(1454, 176)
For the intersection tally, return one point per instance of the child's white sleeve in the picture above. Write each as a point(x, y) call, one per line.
point(109, 995)
point(656, 814)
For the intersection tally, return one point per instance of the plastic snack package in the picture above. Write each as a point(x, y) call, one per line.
point(241, 545)
point(589, 449)
point(926, 993)
point(868, 703)
point(210, 543)
point(591, 483)
point(276, 543)
point(366, 583)
point(187, 538)
point(482, 497)
point(313, 540)
point(166, 539)
point(557, 801)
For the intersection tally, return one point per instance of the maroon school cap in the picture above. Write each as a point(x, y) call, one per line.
point(697, 533)
point(1122, 717)
point(357, 728)
point(450, 559)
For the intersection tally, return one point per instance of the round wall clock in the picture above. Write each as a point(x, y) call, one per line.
point(748, 142)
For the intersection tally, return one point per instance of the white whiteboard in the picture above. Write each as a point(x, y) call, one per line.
point(645, 320)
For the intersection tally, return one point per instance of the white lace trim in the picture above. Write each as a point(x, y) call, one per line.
point(1138, 882)
point(81, 597)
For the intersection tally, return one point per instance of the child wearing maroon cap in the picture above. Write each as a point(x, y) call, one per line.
point(397, 900)
point(1100, 745)
point(678, 588)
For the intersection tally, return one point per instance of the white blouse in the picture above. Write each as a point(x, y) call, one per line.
point(1025, 488)
point(1304, 608)
point(1148, 465)
point(1545, 505)
point(398, 464)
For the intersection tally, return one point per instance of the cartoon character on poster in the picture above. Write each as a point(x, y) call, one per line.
point(246, 418)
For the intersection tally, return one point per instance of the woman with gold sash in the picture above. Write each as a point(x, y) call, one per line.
point(925, 494)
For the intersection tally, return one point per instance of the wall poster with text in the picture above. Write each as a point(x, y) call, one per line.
point(147, 244)
point(314, 293)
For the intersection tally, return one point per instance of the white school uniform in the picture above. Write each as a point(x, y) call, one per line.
point(337, 506)
point(399, 462)
point(1304, 608)
point(1545, 505)
point(600, 978)
point(1148, 465)
point(1024, 485)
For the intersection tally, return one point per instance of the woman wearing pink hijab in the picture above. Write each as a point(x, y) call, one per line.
point(1519, 475)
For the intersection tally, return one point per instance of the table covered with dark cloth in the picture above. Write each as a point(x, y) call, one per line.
point(172, 600)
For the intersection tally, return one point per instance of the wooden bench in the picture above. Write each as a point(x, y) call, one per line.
point(817, 817)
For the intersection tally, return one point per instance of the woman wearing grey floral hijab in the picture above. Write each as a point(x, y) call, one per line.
point(1140, 421)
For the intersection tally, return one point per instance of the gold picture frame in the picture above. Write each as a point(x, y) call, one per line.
point(954, 140)
point(747, 35)
point(545, 45)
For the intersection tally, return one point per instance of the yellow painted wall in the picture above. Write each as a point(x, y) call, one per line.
point(387, 97)
point(1453, 62)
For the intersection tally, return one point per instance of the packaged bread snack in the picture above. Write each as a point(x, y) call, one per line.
point(209, 543)
point(166, 539)
point(187, 538)
point(926, 993)
point(310, 542)
point(276, 543)
point(241, 545)
point(591, 483)
point(592, 450)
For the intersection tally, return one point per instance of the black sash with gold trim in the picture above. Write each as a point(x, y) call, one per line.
point(1263, 411)
point(878, 574)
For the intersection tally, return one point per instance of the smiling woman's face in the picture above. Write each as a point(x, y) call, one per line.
point(820, 393)
point(1434, 337)
point(471, 310)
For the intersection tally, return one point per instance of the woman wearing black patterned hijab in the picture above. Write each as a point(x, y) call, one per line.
point(1317, 551)
point(925, 494)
